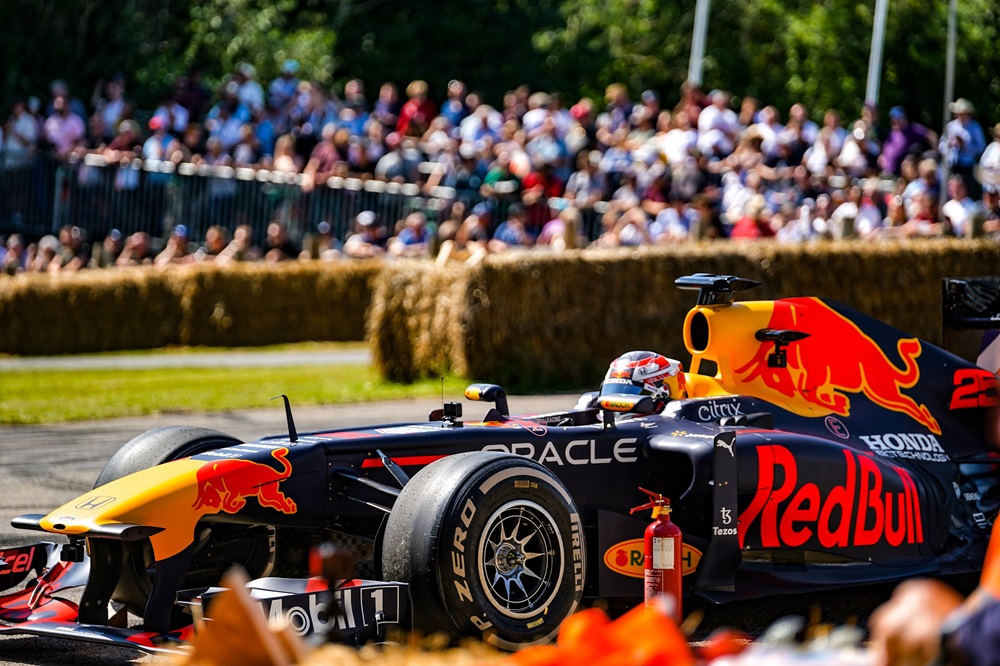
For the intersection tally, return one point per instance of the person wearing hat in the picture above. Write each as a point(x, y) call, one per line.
point(368, 239)
point(963, 141)
point(905, 138)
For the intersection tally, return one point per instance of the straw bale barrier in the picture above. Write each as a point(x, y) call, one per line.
point(532, 320)
point(89, 311)
point(260, 304)
point(145, 308)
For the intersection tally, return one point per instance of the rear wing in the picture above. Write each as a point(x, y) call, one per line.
point(971, 319)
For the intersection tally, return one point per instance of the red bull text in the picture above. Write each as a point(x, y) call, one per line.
point(862, 511)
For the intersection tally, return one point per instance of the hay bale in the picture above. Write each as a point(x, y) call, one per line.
point(91, 311)
point(259, 304)
point(534, 320)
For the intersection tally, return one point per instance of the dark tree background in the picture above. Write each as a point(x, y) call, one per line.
point(780, 51)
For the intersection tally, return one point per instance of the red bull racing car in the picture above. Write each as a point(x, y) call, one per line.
point(808, 446)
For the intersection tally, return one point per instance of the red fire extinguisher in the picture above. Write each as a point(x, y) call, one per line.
point(663, 554)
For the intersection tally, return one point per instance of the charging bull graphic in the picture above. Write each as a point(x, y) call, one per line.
point(817, 374)
point(225, 485)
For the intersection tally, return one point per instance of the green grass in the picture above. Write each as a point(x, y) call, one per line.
point(50, 396)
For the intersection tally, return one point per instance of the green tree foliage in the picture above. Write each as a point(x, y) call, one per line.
point(486, 43)
point(780, 51)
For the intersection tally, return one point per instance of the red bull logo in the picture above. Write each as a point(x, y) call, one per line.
point(836, 360)
point(627, 558)
point(225, 485)
point(863, 511)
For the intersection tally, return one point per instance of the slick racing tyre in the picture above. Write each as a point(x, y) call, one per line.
point(218, 546)
point(491, 546)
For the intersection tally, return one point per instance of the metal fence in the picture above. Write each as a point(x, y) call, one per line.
point(41, 194)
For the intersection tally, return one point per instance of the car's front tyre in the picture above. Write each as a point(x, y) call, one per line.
point(491, 545)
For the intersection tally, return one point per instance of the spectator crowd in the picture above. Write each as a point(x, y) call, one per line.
point(650, 173)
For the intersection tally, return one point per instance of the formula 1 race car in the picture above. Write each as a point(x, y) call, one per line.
point(811, 447)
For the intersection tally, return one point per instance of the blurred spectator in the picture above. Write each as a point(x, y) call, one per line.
point(905, 138)
point(136, 251)
point(470, 243)
point(368, 239)
point(106, 253)
point(386, 107)
point(174, 115)
point(20, 136)
point(322, 244)
point(959, 209)
point(922, 216)
point(126, 144)
point(857, 215)
point(414, 240)
point(718, 126)
point(216, 241)
point(564, 232)
point(15, 256)
point(281, 91)
point(587, 185)
point(250, 92)
point(454, 109)
point(225, 123)
point(619, 106)
point(397, 165)
point(110, 105)
point(675, 222)
point(247, 152)
point(964, 141)
point(46, 256)
point(191, 93)
point(989, 163)
point(754, 223)
point(859, 152)
point(74, 250)
point(355, 100)
point(59, 88)
point(511, 232)
point(829, 142)
point(241, 248)
point(278, 246)
point(177, 249)
point(540, 186)
point(417, 112)
point(64, 130)
point(285, 158)
point(800, 115)
point(680, 141)
point(989, 210)
point(161, 143)
point(322, 160)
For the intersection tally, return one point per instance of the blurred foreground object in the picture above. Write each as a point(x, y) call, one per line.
point(237, 633)
point(926, 621)
point(641, 636)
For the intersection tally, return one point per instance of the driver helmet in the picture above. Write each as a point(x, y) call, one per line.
point(645, 373)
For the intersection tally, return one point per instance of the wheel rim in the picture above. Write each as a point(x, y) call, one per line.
point(520, 556)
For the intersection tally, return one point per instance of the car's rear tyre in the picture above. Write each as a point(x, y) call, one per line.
point(491, 545)
point(217, 546)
